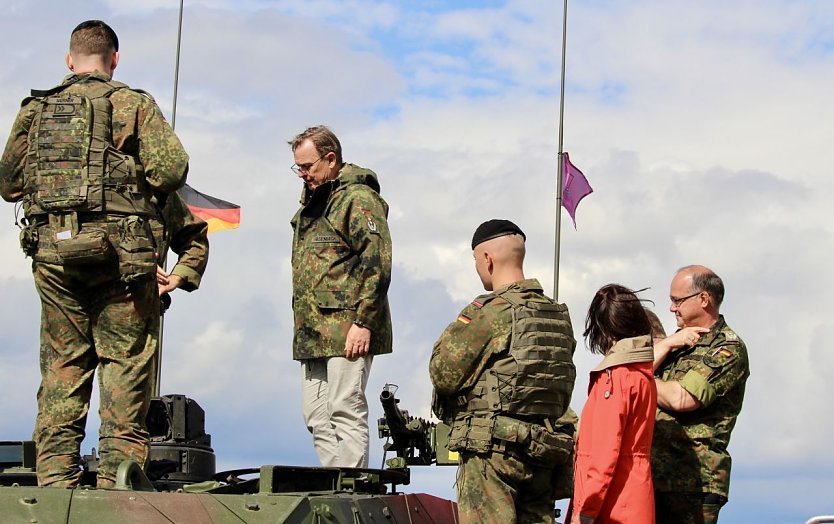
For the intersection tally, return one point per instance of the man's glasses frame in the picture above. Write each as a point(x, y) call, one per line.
point(677, 302)
point(305, 168)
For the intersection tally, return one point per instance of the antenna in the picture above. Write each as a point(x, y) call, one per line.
point(157, 374)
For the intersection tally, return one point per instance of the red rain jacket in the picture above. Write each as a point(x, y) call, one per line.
point(612, 474)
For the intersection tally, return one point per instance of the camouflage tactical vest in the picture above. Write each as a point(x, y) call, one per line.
point(535, 376)
point(71, 164)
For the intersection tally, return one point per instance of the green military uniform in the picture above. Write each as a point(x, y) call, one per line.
point(341, 262)
point(93, 261)
point(690, 462)
point(503, 375)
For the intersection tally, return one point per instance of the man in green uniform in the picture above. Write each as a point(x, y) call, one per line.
point(503, 375)
point(700, 389)
point(91, 159)
point(341, 267)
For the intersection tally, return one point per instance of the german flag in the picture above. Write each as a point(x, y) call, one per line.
point(219, 214)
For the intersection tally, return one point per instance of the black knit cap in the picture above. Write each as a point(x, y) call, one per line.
point(495, 228)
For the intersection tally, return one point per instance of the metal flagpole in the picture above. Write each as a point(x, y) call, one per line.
point(561, 155)
point(157, 376)
point(177, 71)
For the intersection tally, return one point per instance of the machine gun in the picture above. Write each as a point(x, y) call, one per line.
point(417, 442)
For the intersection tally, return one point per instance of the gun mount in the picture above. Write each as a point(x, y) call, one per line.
point(411, 438)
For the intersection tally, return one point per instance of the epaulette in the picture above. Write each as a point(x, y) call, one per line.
point(482, 300)
point(730, 336)
point(144, 93)
point(478, 303)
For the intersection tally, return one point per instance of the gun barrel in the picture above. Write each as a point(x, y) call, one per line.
point(397, 420)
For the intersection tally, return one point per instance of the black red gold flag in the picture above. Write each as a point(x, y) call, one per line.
point(219, 214)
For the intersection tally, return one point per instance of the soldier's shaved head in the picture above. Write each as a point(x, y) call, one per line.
point(506, 250)
point(499, 261)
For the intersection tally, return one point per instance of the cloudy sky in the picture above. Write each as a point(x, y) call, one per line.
point(705, 129)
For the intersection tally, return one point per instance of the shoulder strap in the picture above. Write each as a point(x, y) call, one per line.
point(113, 84)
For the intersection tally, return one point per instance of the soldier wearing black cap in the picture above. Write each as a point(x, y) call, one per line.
point(503, 376)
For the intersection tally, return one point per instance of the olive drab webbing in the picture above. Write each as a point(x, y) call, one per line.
point(535, 376)
point(516, 404)
point(71, 164)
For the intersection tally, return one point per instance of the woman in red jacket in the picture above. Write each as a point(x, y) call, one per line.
point(612, 475)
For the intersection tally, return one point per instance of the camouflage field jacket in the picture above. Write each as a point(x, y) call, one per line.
point(689, 451)
point(341, 265)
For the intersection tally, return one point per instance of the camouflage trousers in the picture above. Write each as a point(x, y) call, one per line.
point(91, 320)
point(495, 488)
point(687, 508)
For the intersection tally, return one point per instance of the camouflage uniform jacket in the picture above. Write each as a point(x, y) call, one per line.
point(187, 236)
point(138, 128)
point(341, 265)
point(689, 452)
point(483, 329)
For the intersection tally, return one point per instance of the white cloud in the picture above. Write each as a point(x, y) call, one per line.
point(703, 129)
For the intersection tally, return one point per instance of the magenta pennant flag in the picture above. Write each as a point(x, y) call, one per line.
point(575, 187)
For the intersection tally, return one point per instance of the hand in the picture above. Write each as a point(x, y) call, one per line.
point(161, 276)
point(357, 342)
point(687, 337)
point(167, 282)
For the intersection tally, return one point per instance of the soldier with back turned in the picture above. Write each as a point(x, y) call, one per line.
point(91, 160)
point(503, 375)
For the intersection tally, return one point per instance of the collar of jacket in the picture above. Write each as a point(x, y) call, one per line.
point(348, 175)
point(528, 284)
point(628, 351)
point(72, 78)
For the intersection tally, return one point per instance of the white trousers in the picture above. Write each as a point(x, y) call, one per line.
point(335, 409)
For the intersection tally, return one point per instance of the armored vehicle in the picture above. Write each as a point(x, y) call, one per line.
point(180, 484)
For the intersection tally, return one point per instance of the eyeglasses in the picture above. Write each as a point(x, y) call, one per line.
point(678, 301)
point(305, 168)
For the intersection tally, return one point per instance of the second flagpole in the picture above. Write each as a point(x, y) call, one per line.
point(561, 161)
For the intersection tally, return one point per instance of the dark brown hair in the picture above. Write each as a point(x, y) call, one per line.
point(615, 313)
point(94, 37)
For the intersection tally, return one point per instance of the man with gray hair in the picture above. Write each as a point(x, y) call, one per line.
point(700, 372)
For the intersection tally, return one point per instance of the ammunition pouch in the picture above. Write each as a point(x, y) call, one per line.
point(137, 255)
point(544, 446)
point(88, 246)
point(471, 433)
point(29, 239)
point(529, 441)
